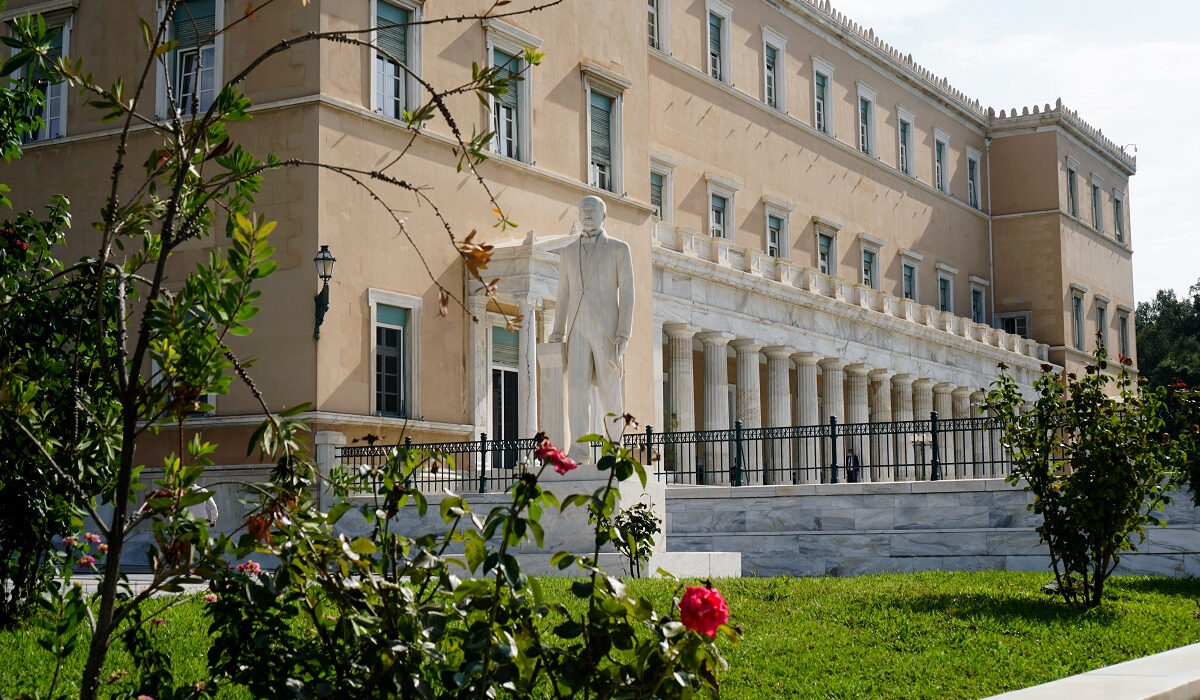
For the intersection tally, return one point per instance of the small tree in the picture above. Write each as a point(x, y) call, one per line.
point(1098, 465)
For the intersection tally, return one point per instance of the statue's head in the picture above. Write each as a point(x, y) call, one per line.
point(591, 213)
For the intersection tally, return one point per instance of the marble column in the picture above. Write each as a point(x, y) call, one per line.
point(985, 466)
point(943, 404)
point(857, 411)
point(715, 469)
point(481, 375)
point(658, 365)
point(749, 406)
point(922, 398)
point(883, 456)
point(964, 455)
point(527, 379)
point(902, 411)
point(683, 384)
point(777, 457)
point(832, 378)
point(808, 464)
point(922, 407)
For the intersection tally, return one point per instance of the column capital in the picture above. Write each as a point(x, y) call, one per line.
point(778, 352)
point(745, 345)
point(715, 338)
point(923, 382)
point(881, 375)
point(962, 392)
point(856, 369)
point(805, 358)
point(531, 301)
point(978, 396)
point(943, 388)
point(903, 379)
point(831, 363)
point(679, 331)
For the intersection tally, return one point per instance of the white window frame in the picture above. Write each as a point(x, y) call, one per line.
point(722, 187)
point(776, 41)
point(1027, 316)
point(905, 146)
point(161, 103)
point(513, 41)
point(611, 85)
point(824, 107)
point(974, 189)
point(869, 244)
point(725, 12)
point(1102, 304)
point(941, 166)
point(665, 166)
point(375, 297)
point(412, 87)
point(1096, 198)
point(911, 258)
point(1078, 316)
point(979, 284)
point(66, 25)
point(1124, 332)
point(866, 131)
point(780, 210)
point(495, 320)
point(662, 16)
point(825, 227)
point(948, 273)
point(1118, 215)
point(1072, 187)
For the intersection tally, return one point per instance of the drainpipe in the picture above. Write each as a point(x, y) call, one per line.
point(987, 149)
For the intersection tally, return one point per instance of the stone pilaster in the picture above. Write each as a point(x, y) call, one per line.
point(658, 367)
point(683, 383)
point(481, 375)
point(527, 379)
point(325, 445)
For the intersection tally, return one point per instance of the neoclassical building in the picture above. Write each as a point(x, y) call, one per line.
point(820, 226)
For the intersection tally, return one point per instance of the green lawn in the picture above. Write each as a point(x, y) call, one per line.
point(929, 635)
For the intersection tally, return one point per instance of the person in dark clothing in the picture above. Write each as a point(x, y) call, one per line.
point(853, 466)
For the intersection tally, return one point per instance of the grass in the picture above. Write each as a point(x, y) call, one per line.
point(928, 635)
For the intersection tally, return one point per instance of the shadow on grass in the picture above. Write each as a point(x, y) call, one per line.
point(1001, 607)
point(1182, 587)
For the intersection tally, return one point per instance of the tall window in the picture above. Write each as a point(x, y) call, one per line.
point(717, 216)
point(774, 236)
point(1118, 216)
point(716, 57)
point(505, 357)
point(1072, 193)
point(391, 360)
point(652, 24)
point(1102, 323)
point(821, 102)
point(54, 108)
point(1015, 323)
point(1097, 215)
point(394, 43)
point(1077, 321)
point(825, 253)
point(656, 193)
point(506, 107)
point(866, 119)
point(601, 116)
point(908, 281)
point(870, 277)
point(1123, 333)
point(973, 182)
point(978, 315)
point(905, 140)
point(939, 165)
point(194, 60)
point(770, 75)
point(945, 293)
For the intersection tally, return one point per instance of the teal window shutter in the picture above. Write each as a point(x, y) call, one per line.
point(391, 315)
point(601, 129)
point(393, 40)
point(506, 346)
point(195, 21)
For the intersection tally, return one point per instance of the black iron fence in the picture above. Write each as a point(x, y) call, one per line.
point(922, 450)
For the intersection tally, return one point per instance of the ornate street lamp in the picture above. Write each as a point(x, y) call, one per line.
point(324, 261)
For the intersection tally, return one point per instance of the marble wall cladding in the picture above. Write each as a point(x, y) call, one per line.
point(848, 529)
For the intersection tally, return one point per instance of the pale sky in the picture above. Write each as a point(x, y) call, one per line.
point(1131, 69)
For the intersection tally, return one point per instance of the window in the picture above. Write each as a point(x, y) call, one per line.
point(662, 168)
point(945, 293)
point(825, 254)
point(908, 281)
point(602, 116)
point(653, 23)
point(776, 212)
point(1123, 332)
point(978, 314)
point(822, 100)
point(397, 49)
point(1097, 212)
point(904, 140)
point(973, 198)
point(774, 236)
point(941, 174)
point(770, 73)
point(717, 216)
point(1016, 323)
point(505, 406)
point(193, 64)
point(54, 108)
point(866, 119)
point(1119, 215)
point(721, 221)
point(869, 277)
point(719, 16)
point(774, 68)
point(1077, 320)
point(1072, 192)
point(511, 110)
point(395, 339)
point(656, 193)
point(1102, 321)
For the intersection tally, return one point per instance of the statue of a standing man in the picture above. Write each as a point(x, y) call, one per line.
point(595, 318)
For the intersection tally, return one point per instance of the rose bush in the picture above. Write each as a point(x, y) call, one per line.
point(703, 609)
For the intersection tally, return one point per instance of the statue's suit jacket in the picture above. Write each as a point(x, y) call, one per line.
point(595, 289)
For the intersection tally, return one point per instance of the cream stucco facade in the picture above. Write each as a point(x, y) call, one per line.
point(751, 325)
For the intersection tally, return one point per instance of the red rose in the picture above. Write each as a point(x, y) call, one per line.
point(547, 453)
point(703, 609)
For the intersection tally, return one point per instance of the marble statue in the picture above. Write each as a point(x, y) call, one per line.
point(594, 317)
